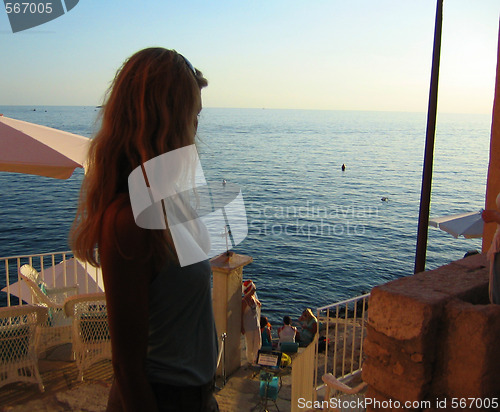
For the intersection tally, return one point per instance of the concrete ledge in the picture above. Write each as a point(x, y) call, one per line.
point(399, 359)
point(469, 359)
point(397, 387)
point(433, 334)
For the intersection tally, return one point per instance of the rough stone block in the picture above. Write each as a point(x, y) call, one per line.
point(418, 350)
point(426, 337)
point(388, 354)
point(399, 387)
point(473, 262)
point(457, 280)
point(404, 309)
point(468, 362)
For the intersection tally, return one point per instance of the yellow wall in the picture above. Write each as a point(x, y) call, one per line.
point(493, 185)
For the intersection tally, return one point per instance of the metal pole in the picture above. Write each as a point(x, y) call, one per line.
point(224, 378)
point(425, 194)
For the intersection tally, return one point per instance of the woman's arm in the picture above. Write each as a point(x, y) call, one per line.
point(491, 215)
point(127, 273)
point(314, 328)
point(268, 331)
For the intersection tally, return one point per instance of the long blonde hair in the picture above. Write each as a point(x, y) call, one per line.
point(151, 108)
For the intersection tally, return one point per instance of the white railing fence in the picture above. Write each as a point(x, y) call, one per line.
point(337, 349)
point(57, 268)
point(343, 324)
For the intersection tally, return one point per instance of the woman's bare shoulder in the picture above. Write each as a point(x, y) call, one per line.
point(120, 228)
point(119, 215)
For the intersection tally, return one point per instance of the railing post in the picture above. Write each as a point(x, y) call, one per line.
point(226, 295)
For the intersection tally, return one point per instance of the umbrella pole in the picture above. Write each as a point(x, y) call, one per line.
point(425, 194)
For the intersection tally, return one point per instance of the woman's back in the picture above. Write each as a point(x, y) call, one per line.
point(180, 307)
point(287, 333)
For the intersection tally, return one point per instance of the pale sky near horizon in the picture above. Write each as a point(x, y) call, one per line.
point(316, 54)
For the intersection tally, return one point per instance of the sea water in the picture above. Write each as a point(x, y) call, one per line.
point(317, 234)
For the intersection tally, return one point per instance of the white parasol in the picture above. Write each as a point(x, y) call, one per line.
point(468, 225)
point(34, 149)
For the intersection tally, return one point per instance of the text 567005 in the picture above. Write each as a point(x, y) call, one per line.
point(28, 8)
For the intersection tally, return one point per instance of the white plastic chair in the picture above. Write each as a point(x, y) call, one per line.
point(18, 356)
point(57, 328)
point(90, 331)
point(346, 397)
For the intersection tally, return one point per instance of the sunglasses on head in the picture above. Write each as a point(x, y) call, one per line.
point(188, 63)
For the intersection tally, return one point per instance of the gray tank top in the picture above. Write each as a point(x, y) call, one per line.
point(182, 346)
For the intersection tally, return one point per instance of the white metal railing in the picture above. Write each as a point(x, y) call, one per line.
point(344, 326)
point(68, 273)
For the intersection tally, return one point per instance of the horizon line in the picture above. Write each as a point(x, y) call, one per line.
point(266, 108)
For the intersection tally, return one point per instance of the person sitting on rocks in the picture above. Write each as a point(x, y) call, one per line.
point(287, 332)
point(493, 215)
point(265, 332)
point(309, 324)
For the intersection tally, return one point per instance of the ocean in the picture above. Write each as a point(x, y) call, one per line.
point(317, 234)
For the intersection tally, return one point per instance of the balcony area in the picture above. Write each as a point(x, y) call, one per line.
point(421, 338)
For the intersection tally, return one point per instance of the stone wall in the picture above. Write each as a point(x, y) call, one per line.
point(433, 335)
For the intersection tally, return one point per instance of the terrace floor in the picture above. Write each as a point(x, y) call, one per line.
point(64, 393)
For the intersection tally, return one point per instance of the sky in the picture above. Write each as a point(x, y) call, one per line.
point(307, 54)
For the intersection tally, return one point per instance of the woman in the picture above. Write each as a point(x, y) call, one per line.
point(492, 215)
point(309, 324)
point(250, 321)
point(287, 332)
point(160, 315)
point(265, 333)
